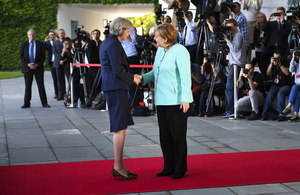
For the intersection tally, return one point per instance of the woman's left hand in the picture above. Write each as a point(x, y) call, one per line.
point(185, 106)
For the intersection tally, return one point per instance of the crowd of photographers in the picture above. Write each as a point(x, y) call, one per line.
point(221, 37)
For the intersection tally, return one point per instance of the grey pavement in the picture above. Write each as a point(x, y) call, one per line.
point(51, 135)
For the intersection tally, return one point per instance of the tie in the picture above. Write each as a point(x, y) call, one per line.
point(31, 56)
point(204, 4)
point(279, 25)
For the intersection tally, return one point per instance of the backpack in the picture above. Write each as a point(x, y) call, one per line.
point(99, 103)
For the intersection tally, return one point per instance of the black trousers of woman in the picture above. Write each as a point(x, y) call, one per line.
point(172, 133)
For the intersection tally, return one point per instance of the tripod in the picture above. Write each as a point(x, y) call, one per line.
point(203, 41)
point(78, 56)
point(221, 57)
point(147, 60)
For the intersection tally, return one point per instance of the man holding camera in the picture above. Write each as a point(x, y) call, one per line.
point(58, 46)
point(190, 36)
point(254, 88)
point(278, 70)
point(279, 32)
point(237, 57)
point(50, 58)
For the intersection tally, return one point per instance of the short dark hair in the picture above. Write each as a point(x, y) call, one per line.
point(67, 39)
point(237, 4)
point(278, 51)
point(251, 63)
point(96, 30)
point(189, 12)
point(281, 8)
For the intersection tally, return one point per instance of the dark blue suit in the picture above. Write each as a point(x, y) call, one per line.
point(114, 65)
point(50, 63)
point(38, 72)
point(115, 83)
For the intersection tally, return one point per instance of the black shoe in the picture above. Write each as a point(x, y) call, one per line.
point(201, 114)
point(178, 175)
point(263, 118)
point(60, 98)
point(280, 118)
point(163, 173)
point(25, 106)
point(46, 106)
point(253, 116)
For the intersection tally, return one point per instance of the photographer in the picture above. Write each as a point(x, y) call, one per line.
point(210, 72)
point(132, 55)
point(202, 6)
point(254, 87)
point(241, 21)
point(279, 32)
point(190, 35)
point(237, 57)
point(294, 98)
point(50, 58)
point(211, 22)
point(278, 70)
point(178, 6)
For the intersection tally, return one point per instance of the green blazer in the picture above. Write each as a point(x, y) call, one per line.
point(171, 74)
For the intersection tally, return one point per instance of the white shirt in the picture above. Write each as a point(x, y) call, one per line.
point(190, 33)
point(251, 10)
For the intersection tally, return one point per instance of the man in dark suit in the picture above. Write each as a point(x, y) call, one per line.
point(58, 45)
point(50, 58)
point(279, 32)
point(32, 56)
point(91, 56)
point(203, 5)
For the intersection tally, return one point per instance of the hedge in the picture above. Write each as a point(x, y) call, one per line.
point(17, 16)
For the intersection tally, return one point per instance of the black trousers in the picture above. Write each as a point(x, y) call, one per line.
point(62, 71)
point(39, 77)
point(192, 51)
point(172, 133)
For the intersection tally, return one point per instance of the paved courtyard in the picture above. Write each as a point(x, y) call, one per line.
point(51, 135)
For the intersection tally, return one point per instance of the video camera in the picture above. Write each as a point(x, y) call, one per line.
point(225, 6)
point(159, 13)
point(106, 26)
point(79, 33)
point(219, 30)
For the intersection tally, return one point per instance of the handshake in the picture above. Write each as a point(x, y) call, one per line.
point(137, 79)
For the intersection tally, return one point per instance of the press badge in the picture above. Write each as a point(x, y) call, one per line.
point(254, 2)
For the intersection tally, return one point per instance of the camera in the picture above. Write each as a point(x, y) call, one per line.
point(297, 53)
point(225, 6)
point(219, 30)
point(277, 14)
point(159, 13)
point(246, 71)
point(210, 58)
point(79, 33)
point(106, 26)
point(277, 59)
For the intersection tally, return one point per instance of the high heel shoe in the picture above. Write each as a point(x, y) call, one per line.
point(130, 173)
point(117, 174)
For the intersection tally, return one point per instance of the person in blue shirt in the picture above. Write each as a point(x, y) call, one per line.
point(171, 74)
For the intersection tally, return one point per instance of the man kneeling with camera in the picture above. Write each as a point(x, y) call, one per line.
point(252, 83)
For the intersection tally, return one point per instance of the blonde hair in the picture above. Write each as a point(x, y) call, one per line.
point(167, 31)
point(265, 18)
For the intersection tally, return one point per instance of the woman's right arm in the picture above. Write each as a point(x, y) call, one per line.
point(148, 77)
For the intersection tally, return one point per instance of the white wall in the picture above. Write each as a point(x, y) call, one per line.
point(268, 7)
point(91, 16)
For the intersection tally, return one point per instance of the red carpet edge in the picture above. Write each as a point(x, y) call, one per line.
point(204, 171)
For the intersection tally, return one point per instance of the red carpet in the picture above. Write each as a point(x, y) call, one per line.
point(204, 171)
